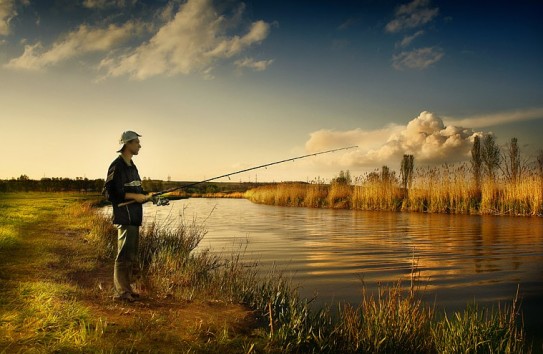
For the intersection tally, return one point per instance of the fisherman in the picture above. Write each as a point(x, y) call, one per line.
point(123, 184)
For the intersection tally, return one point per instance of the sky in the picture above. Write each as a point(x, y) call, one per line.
point(218, 86)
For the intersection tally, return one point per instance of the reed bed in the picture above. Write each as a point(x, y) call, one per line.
point(448, 189)
point(376, 194)
point(445, 189)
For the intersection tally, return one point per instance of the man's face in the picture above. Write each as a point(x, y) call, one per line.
point(133, 146)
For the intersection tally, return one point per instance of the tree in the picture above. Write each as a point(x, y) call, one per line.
point(385, 174)
point(513, 165)
point(373, 177)
point(476, 161)
point(406, 171)
point(540, 162)
point(490, 155)
point(343, 178)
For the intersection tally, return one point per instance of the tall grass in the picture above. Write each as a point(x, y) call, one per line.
point(167, 260)
point(444, 189)
point(481, 331)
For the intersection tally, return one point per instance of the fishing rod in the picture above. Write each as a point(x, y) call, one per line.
point(241, 171)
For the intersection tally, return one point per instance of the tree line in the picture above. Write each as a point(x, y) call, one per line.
point(82, 184)
point(54, 184)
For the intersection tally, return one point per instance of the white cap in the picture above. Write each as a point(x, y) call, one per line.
point(126, 137)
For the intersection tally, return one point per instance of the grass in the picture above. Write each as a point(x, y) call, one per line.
point(198, 302)
point(445, 189)
point(478, 331)
point(39, 310)
point(56, 287)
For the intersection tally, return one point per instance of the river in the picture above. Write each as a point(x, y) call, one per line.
point(458, 258)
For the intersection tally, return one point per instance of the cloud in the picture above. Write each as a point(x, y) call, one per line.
point(417, 59)
point(182, 39)
point(77, 43)
point(102, 4)
point(348, 23)
point(408, 39)
point(489, 120)
point(425, 136)
point(192, 41)
point(7, 12)
point(411, 15)
point(260, 65)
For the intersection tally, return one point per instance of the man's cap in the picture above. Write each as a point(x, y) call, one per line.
point(126, 137)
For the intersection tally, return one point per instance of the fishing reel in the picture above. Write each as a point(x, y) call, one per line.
point(159, 200)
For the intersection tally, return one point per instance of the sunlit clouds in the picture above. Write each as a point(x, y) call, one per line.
point(182, 39)
point(429, 137)
point(487, 120)
point(192, 41)
point(82, 41)
point(425, 136)
point(7, 12)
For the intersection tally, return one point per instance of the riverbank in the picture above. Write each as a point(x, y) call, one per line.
point(195, 302)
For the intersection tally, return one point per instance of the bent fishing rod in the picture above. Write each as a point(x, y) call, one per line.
point(241, 171)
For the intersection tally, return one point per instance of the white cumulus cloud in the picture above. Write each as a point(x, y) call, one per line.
point(425, 136)
point(77, 43)
point(419, 59)
point(192, 41)
point(412, 15)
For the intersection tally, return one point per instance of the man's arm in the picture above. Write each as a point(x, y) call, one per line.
point(140, 198)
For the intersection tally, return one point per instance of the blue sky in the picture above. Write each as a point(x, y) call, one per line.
point(217, 86)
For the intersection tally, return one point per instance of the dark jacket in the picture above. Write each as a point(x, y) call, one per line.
point(121, 179)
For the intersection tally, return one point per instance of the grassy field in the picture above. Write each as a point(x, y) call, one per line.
point(56, 259)
point(56, 289)
point(447, 189)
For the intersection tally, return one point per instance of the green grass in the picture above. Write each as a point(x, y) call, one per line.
point(39, 311)
point(479, 331)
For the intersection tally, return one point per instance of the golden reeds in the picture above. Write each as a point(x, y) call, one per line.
point(444, 189)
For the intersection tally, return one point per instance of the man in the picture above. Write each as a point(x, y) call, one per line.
point(123, 184)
